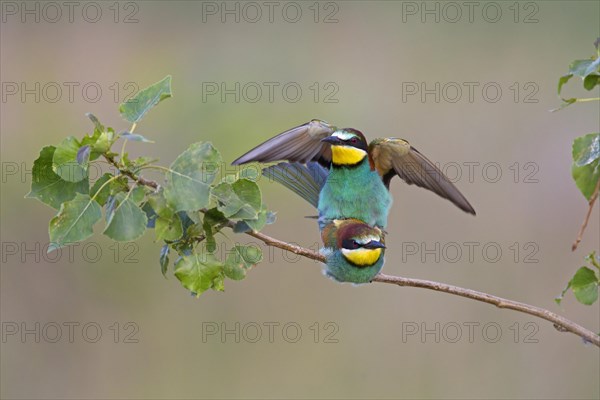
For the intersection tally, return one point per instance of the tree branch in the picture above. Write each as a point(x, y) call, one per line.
point(269, 241)
point(587, 216)
point(130, 174)
point(560, 323)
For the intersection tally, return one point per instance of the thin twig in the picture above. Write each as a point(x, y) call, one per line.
point(130, 174)
point(269, 241)
point(587, 216)
point(560, 323)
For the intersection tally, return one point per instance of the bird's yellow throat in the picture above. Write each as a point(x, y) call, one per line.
point(346, 155)
point(362, 257)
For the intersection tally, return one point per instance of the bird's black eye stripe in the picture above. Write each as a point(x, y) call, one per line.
point(350, 244)
point(355, 141)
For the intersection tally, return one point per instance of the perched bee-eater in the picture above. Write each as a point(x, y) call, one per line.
point(359, 173)
point(354, 250)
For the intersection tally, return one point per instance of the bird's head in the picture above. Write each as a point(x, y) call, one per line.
point(360, 244)
point(348, 146)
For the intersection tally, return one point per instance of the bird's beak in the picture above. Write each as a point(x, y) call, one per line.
point(333, 140)
point(374, 244)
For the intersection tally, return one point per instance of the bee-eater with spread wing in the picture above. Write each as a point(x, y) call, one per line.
point(357, 185)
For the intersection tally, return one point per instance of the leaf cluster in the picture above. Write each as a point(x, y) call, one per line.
point(187, 212)
point(585, 169)
point(588, 70)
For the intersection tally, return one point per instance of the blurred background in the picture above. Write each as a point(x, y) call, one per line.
point(471, 88)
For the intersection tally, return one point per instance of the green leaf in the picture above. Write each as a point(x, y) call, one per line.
point(249, 193)
point(586, 149)
point(199, 272)
point(586, 160)
point(88, 140)
point(50, 188)
point(127, 221)
point(74, 221)
point(159, 204)
point(591, 81)
point(168, 225)
point(100, 140)
point(227, 200)
point(240, 200)
point(223, 194)
point(586, 178)
point(103, 144)
point(264, 217)
point(219, 283)
point(212, 218)
point(65, 162)
point(164, 259)
point(101, 197)
point(135, 108)
point(190, 176)
point(138, 193)
point(241, 259)
point(585, 286)
point(593, 67)
point(134, 137)
point(169, 229)
point(562, 80)
point(580, 67)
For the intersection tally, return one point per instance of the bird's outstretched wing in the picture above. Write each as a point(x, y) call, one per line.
point(300, 144)
point(304, 180)
point(393, 156)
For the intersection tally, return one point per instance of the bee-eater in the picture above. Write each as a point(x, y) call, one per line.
point(359, 173)
point(354, 251)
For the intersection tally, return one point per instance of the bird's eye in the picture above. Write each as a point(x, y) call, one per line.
point(350, 244)
point(354, 140)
